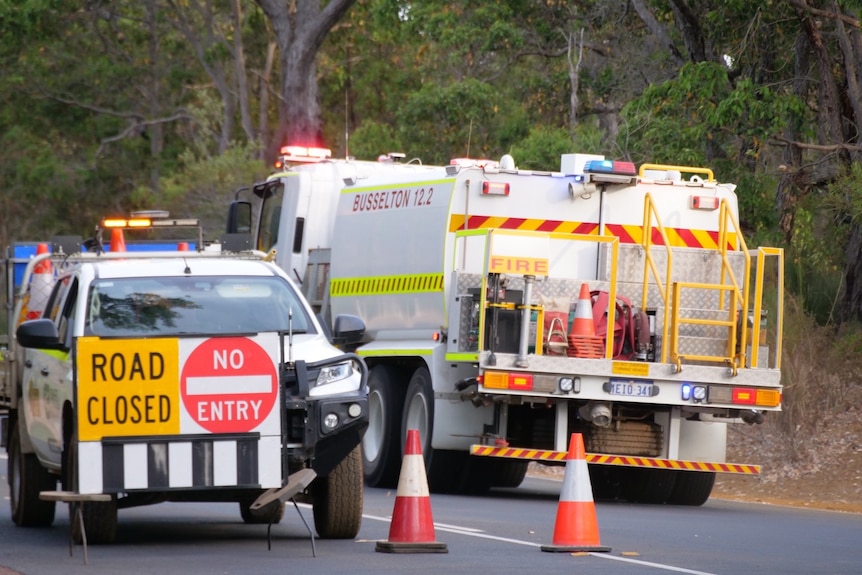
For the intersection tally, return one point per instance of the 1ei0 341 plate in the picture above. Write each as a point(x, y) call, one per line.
point(631, 387)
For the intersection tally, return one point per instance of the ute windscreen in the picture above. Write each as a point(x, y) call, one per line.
point(193, 306)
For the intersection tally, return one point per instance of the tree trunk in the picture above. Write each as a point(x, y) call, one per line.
point(300, 27)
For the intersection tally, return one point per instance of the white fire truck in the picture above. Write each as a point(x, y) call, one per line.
point(197, 374)
point(468, 279)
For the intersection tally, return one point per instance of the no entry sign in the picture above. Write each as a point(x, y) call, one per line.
point(229, 385)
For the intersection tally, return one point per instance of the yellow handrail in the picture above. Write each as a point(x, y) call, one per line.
point(646, 243)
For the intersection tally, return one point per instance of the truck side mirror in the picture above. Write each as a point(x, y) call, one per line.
point(348, 329)
point(239, 217)
point(38, 334)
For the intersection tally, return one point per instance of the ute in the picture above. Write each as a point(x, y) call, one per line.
point(507, 309)
point(175, 371)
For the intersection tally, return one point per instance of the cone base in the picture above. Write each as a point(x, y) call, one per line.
point(573, 548)
point(412, 547)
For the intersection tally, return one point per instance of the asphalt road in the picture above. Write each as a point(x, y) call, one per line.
point(497, 534)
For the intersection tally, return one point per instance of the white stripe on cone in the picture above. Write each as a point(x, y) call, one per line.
point(412, 481)
point(578, 489)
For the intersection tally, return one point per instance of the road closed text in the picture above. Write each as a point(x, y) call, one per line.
point(127, 388)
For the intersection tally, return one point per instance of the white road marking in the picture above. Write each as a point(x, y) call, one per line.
point(478, 533)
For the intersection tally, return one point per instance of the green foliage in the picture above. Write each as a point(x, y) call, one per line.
point(458, 120)
point(541, 150)
point(372, 139)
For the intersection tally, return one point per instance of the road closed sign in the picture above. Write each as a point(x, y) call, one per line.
point(229, 385)
point(127, 387)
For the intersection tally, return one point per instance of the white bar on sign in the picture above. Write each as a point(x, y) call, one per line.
point(228, 385)
point(135, 466)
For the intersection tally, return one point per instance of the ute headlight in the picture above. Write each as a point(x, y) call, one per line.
point(341, 377)
point(567, 384)
point(332, 373)
point(698, 392)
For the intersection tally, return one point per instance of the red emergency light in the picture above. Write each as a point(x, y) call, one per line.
point(495, 188)
point(305, 153)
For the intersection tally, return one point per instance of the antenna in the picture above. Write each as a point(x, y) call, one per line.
point(469, 137)
point(346, 123)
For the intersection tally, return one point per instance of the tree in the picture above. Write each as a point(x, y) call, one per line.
point(300, 28)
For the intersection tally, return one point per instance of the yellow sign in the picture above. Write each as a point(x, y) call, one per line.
point(128, 387)
point(630, 368)
point(518, 265)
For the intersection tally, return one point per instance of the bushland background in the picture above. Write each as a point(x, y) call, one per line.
point(109, 106)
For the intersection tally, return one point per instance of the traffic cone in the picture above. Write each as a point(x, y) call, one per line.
point(412, 527)
point(582, 340)
point(576, 528)
point(118, 242)
point(40, 285)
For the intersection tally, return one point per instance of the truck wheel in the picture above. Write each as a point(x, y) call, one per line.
point(509, 473)
point(100, 517)
point(381, 442)
point(27, 478)
point(692, 488)
point(419, 413)
point(641, 485)
point(271, 512)
point(337, 499)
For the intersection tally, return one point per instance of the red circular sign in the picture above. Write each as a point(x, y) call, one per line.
point(229, 385)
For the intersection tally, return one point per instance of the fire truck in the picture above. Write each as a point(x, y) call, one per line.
point(507, 309)
point(173, 370)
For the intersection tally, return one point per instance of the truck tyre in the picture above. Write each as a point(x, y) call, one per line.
point(272, 512)
point(27, 478)
point(337, 499)
point(100, 517)
point(507, 473)
point(642, 485)
point(381, 443)
point(692, 488)
point(419, 415)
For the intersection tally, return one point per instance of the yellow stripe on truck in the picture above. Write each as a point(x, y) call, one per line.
point(385, 285)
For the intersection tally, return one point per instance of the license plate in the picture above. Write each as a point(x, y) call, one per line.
point(632, 388)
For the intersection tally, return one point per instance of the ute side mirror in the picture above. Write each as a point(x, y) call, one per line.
point(239, 217)
point(38, 334)
point(348, 329)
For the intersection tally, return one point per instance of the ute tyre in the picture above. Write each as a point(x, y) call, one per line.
point(692, 488)
point(337, 499)
point(27, 478)
point(381, 459)
point(272, 512)
point(100, 517)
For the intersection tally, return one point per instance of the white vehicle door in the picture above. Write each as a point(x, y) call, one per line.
point(47, 378)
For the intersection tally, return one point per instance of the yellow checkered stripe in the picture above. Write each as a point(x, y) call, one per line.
point(622, 460)
point(628, 234)
point(385, 285)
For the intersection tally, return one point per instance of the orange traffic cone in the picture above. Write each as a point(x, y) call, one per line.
point(40, 285)
point(118, 242)
point(583, 341)
point(576, 528)
point(412, 527)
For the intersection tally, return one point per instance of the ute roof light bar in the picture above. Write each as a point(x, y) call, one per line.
point(304, 154)
point(148, 220)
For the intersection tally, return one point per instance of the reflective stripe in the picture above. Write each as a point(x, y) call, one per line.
point(383, 285)
point(622, 460)
point(628, 234)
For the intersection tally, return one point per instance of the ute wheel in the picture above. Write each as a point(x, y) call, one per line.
point(381, 458)
point(692, 488)
point(27, 478)
point(641, 485)
point(100, 517)
point(337, 499)
point(272, 512)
